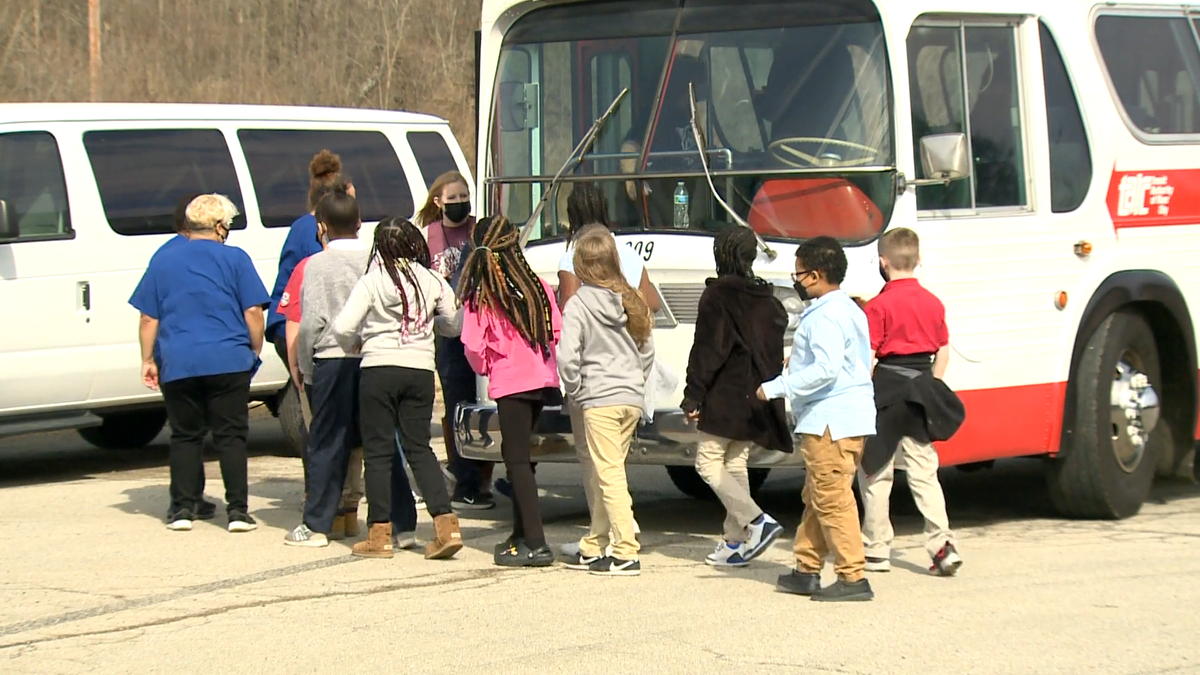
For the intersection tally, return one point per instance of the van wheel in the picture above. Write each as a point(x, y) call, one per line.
point(126, 431)
point(1108, 468)
point(291, 419)
point(691, 484)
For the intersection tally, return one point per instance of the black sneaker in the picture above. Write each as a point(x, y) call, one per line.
point(947, 561)
point(205, 510)
point(241, 522)
point(180, 520)
point(504, 487)
point(519, 555)
point(615, 567)
point(579, 561)
point(798, 583)
point(464, 501)
point(845, 591)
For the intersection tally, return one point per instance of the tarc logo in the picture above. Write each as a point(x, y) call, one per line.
point(1138, 192)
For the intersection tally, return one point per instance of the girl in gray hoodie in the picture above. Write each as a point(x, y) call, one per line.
point(604, 357)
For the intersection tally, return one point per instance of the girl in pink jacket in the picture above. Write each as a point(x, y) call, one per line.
point(511, 326)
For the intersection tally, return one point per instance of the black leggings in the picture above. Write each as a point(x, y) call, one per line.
point(518, 418)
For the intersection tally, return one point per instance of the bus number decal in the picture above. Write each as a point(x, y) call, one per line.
point(643, 248)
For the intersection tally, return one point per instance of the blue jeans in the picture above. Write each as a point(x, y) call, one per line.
point(404, 507)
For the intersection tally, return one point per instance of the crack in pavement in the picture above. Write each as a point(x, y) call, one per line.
point(456, 578)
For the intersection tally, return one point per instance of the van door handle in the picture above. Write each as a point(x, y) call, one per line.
point(85, 295)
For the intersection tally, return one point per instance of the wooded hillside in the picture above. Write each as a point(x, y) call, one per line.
point(395, 54)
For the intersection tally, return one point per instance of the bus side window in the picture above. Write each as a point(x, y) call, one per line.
point(1070, 156)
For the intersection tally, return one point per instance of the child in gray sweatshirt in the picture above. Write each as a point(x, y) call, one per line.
point(604, 357)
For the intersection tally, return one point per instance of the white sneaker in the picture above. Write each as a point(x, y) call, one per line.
point(405, 541)
point(419, 501)
point(878, 564)
point(760, 535)
point(180, 525)
point(727, 556)
point(302, 536)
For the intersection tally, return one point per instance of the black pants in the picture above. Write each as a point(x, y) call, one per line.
point(518, 418)
point(333, 434)
point(404, 507)
point(391, 400)
point(195, 405)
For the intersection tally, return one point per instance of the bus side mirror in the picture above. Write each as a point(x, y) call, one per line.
point(10, 230)
point(514, 106)
point(944, 158)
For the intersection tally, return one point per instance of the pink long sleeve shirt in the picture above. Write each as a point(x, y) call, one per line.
point(495, 349)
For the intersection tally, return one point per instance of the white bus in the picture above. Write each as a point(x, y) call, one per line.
point(1048, 154)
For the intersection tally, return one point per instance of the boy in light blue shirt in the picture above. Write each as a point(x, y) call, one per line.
point(828, 380)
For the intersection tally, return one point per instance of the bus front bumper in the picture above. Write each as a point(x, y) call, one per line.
point(670, 439)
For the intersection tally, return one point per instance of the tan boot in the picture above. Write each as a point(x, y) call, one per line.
point(350, 521)
point(339, 528)
point(378, 543)
point(447, 540)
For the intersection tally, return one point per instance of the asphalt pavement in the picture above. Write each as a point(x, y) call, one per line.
point(92, 582)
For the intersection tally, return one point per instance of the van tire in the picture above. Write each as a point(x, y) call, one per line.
point(126, 431)
point(291, 419)
point(689, 482)
point(1088, 480)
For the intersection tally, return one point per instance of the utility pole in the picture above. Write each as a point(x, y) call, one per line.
point(94, 47)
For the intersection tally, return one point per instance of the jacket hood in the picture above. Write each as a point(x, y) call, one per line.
point(750, 285)
point(604, 304)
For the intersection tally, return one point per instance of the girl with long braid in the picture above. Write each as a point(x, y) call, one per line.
point(511, 326)
point(394, 311)
point(607, 353)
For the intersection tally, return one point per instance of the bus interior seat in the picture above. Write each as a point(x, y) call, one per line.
point(803, 208)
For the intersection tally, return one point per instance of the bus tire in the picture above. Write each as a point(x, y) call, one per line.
point(126, 431)
point(291, 420)
point(1102, 474)
point(689, 482)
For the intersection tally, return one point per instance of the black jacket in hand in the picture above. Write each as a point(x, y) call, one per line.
point(738, 346)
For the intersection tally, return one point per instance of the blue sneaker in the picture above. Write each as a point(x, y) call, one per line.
point(728, 554)
point(760, 535)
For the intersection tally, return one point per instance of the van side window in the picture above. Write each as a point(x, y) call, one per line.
point(983, 102)
point(32, 183)
point(1153, 63)
point(279, 158)
point(142, 174)
point(432, 153)
point(1070, 156)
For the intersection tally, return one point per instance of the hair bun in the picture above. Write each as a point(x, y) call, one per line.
point(325, 164)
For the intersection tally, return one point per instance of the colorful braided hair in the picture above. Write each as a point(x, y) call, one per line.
point(496, 276)
point(399, 244)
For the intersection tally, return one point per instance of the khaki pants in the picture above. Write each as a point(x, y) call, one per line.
point(591, 489)
point(920, 461)
point(609, 431)
point(830, 521)
point(722, 464)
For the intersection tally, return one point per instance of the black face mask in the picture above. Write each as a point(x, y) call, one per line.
point(883, 273)
point(457, 212)
point(802, 292)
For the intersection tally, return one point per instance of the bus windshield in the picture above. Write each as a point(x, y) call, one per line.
point(792, 100)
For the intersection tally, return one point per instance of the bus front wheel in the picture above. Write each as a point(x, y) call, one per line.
point(1107, 470)
point(691, 484)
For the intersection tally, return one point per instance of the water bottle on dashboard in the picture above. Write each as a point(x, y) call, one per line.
point(681, 207)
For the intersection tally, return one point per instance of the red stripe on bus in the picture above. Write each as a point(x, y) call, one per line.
point(1154, 198)
point(1007, 422)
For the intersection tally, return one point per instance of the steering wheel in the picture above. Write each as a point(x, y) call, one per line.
point(787, 151)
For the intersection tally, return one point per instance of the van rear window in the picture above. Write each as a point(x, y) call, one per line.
point(279, 158)
point(142, 174)
point(432, 153)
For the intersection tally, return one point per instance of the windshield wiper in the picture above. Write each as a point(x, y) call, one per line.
point(573, 160)
point(703, 149)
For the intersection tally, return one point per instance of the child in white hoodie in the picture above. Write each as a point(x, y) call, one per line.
point(605, 355)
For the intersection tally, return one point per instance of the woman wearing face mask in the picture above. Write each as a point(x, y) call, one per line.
point(447, 224)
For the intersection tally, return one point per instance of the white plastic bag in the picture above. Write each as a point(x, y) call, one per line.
point(660, 386)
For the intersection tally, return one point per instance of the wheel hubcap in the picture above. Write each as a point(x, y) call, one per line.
point(1135, 412)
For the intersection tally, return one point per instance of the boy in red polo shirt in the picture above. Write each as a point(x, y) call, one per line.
point(915, 408)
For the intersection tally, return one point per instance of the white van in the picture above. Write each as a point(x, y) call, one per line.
point(87, 194)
